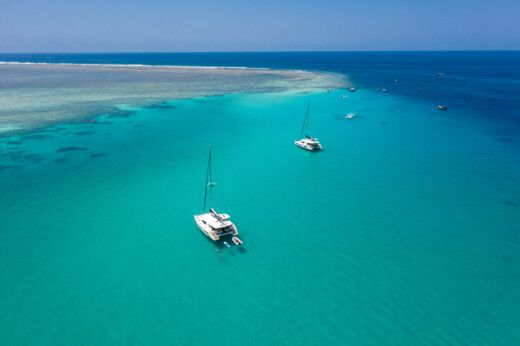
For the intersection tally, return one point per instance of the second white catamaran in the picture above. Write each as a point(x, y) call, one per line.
point(212, 223)
point(308, 142)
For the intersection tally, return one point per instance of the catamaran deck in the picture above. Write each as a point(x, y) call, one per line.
point(213, 221)
point(215, 225)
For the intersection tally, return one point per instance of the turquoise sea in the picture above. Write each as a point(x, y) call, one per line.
point(405, 230)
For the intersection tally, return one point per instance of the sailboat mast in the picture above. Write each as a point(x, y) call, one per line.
point(306, 122)
point(208, 183)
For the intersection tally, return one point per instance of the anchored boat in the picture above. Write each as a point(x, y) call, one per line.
point(212, 223)
point(308, 142)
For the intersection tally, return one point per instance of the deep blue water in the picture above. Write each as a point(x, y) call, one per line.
point(485, 83)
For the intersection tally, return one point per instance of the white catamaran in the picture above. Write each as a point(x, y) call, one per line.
point(308, 142)
point(213, 224)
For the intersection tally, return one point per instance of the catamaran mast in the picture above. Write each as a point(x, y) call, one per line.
point(209, 184)
point(306, 123)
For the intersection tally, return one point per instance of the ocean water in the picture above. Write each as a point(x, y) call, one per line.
point(405, 230)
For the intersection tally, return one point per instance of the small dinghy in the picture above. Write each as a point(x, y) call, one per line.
point(350, 116)
point(237, 241)
point(227, 244)
point(442, 108)
point(352, 89)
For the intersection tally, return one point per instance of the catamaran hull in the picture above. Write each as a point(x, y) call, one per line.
point(204, 229)
point(210, 232)
point(308, 147)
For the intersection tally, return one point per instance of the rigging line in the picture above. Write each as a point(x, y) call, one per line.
point(208, 178)
point(306, 121)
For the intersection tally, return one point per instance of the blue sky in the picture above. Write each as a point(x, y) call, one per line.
point(203, 25)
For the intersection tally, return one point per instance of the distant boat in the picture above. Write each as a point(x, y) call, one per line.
point(350, 116)
point(213, 224)
point(344, 96)
point(442, 108)
point(308, 142)
point(352, 89)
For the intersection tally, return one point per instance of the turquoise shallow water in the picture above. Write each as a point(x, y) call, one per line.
point(405, 230)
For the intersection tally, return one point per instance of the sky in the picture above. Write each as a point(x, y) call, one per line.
point(255, 25)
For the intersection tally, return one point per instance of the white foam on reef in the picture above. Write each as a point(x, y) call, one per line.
point(133, 65)
point(33, 95)
point(5, 128)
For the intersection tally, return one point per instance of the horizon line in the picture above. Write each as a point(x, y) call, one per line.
point(270, 51)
